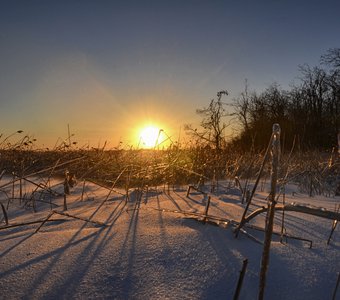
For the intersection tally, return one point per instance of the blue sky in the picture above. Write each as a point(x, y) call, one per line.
point(108, 68)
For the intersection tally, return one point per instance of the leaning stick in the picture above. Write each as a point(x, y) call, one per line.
point(5, 213)
point(105, 187)
point(79, 218)
point(43, 222)
point(240, 279)
point(247, 234)
point(50, 175)
point(194, 188)
point(110, 191)
point(334, 224)
point(30, 223)
point(255, 186)
point(42, 186)
point(336, 287)
point(82, 191)
point(315, 211)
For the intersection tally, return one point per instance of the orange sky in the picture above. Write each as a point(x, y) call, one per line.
point(107, 68)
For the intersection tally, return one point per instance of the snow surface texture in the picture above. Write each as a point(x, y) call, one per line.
point(148, 251)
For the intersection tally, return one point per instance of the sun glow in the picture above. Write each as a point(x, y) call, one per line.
point(149, 137)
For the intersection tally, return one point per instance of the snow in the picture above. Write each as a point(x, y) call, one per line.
point(151, 251)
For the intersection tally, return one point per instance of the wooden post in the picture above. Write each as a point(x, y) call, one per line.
point(238, 184)
point(334, 224)
point(213, 183)
point(336, 287)
point(66, 189)
point(33, 202)
point(69, 135)
point(65, 202)
point(13, 186)
point(188, 191)
point(240, 279)
point(283, 215)
point(271, 210)
point(206, 208)
point(5, 213)
point(20, 189)
point(146, 194)
point(82, 192)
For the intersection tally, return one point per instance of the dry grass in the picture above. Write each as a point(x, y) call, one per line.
point(315, 172)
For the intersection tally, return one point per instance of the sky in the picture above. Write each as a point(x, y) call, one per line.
point(105, 69)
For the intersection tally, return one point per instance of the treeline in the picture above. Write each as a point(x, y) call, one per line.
point(308, 113)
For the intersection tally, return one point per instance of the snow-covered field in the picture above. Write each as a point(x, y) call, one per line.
point(149, 250)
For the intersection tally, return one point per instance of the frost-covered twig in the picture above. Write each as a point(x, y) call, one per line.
point(271, 209)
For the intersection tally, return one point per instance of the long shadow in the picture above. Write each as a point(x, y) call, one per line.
point(297, 226)
point(73, 279)
point(294, 221)
point(46, 256)
point(40, 279)
point(16, 245)
point(187, 202)
point(163, 234)
point(231, 200)
point(131, 236)
point(193, 199)
point(171, 199)
point(15, 230)
point(200, 203)
point(13, 236)
point(132, 224)
point(230, 253)
point(215, 205)
point(161, 221)
point(23, 240)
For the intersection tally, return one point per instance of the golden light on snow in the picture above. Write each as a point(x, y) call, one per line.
point(149, 136)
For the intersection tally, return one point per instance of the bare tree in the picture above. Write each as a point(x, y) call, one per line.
point(332, 58)
point(242, 108)
point(212, 123)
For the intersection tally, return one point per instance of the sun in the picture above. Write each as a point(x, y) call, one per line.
point(149, 136)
